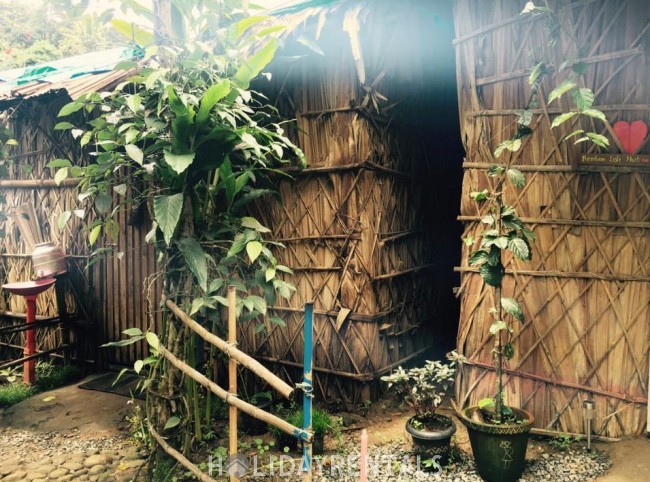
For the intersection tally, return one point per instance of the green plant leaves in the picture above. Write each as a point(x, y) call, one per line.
point(498, 326)
point(479, 196)
point(254, 249)
point(210, 98)
point(511, 306)
point(255, 64)
point(179, 162)
point(583, 98)
point(172, 422)
point(492, 274)
point(132, 32)
point(516, 177)
point(562, 118)
point(196, 259)
point(70, 108)
point(252, 223)
point(134, 153)
point(519, 248)
point(167, 211)
point(561, 89)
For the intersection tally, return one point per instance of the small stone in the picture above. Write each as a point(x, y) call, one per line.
point(15, 476)
point(97, 459)
point(8, 469)
point(60, 472)
point(35, 475)
point(72, 466)
point(96, 469)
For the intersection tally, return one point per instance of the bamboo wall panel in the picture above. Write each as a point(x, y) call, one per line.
point(106, 297)
point(586, 292)
point(354, 223)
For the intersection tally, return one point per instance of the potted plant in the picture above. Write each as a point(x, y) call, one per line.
point(423, 388)
point(322, 424)
point(498, 432)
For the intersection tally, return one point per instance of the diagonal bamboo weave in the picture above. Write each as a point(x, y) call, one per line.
point(355, 223)
point(587, 290)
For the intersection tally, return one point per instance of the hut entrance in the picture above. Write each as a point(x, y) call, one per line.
point(370, 226)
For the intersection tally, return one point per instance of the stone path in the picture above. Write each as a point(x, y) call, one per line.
point(69, 434)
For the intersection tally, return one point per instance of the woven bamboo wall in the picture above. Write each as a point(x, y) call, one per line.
point(105, 298)
point(356, 222)
point(586, 292)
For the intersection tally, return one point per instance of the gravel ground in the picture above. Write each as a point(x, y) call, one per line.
point(67, 456)
point(397, 464)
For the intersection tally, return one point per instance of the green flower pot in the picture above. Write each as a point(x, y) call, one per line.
point(499, 450)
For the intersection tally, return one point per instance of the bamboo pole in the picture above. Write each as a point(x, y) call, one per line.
point(245, 407)
point(178, 456)
point(253, 365)
point(33, 356)
point(307, 387)
point(232, 373)
point(36, 183)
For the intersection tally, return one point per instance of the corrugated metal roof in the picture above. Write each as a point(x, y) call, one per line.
point(75, 75)
point(73, 87)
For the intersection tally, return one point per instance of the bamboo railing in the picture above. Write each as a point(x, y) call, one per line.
point(230, 396)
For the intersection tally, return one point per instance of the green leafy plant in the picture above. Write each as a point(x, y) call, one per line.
point(564, 441)
point(423, 388)
point(185, 145)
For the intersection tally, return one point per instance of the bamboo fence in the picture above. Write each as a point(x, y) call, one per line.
point(586, 292)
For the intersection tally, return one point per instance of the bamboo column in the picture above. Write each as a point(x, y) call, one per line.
point(232, 371)
point(307, 390)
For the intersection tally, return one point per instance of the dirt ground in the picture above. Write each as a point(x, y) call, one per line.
point(91, 415)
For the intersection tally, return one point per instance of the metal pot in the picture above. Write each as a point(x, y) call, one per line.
point(48, 260)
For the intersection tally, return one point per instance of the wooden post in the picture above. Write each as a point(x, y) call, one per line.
point(363, 463)
point(232, 371)
point(307, 387)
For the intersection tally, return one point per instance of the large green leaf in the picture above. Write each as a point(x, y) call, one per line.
point(584, 98)
point(516, 177)
point(135, 153)
point(179, 162)
point(133, 32)
point(511, 306)
point(210, 98)
point(519, 248)
point(562, 118)
point(196, 259)
point(561, 89)
point(492, 275)
point(167, 210)
point(255, 64)
point(254, 249)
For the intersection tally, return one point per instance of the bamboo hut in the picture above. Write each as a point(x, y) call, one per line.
point(104, 298)
point(369, 227)
point(586, 292)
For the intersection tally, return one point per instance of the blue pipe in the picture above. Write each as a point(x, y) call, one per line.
point(307, 382)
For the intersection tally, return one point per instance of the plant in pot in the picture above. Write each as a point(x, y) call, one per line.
point(498, 432)
point(423, 389)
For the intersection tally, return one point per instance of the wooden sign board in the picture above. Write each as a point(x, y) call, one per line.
point(623, 160)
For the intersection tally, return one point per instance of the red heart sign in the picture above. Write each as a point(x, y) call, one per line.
point(631, 135)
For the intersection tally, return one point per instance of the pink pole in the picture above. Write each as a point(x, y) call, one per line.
point(364, 456)
point(29, 367)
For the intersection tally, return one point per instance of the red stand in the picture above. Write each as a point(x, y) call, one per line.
point(29, 367)
point(30, 290)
